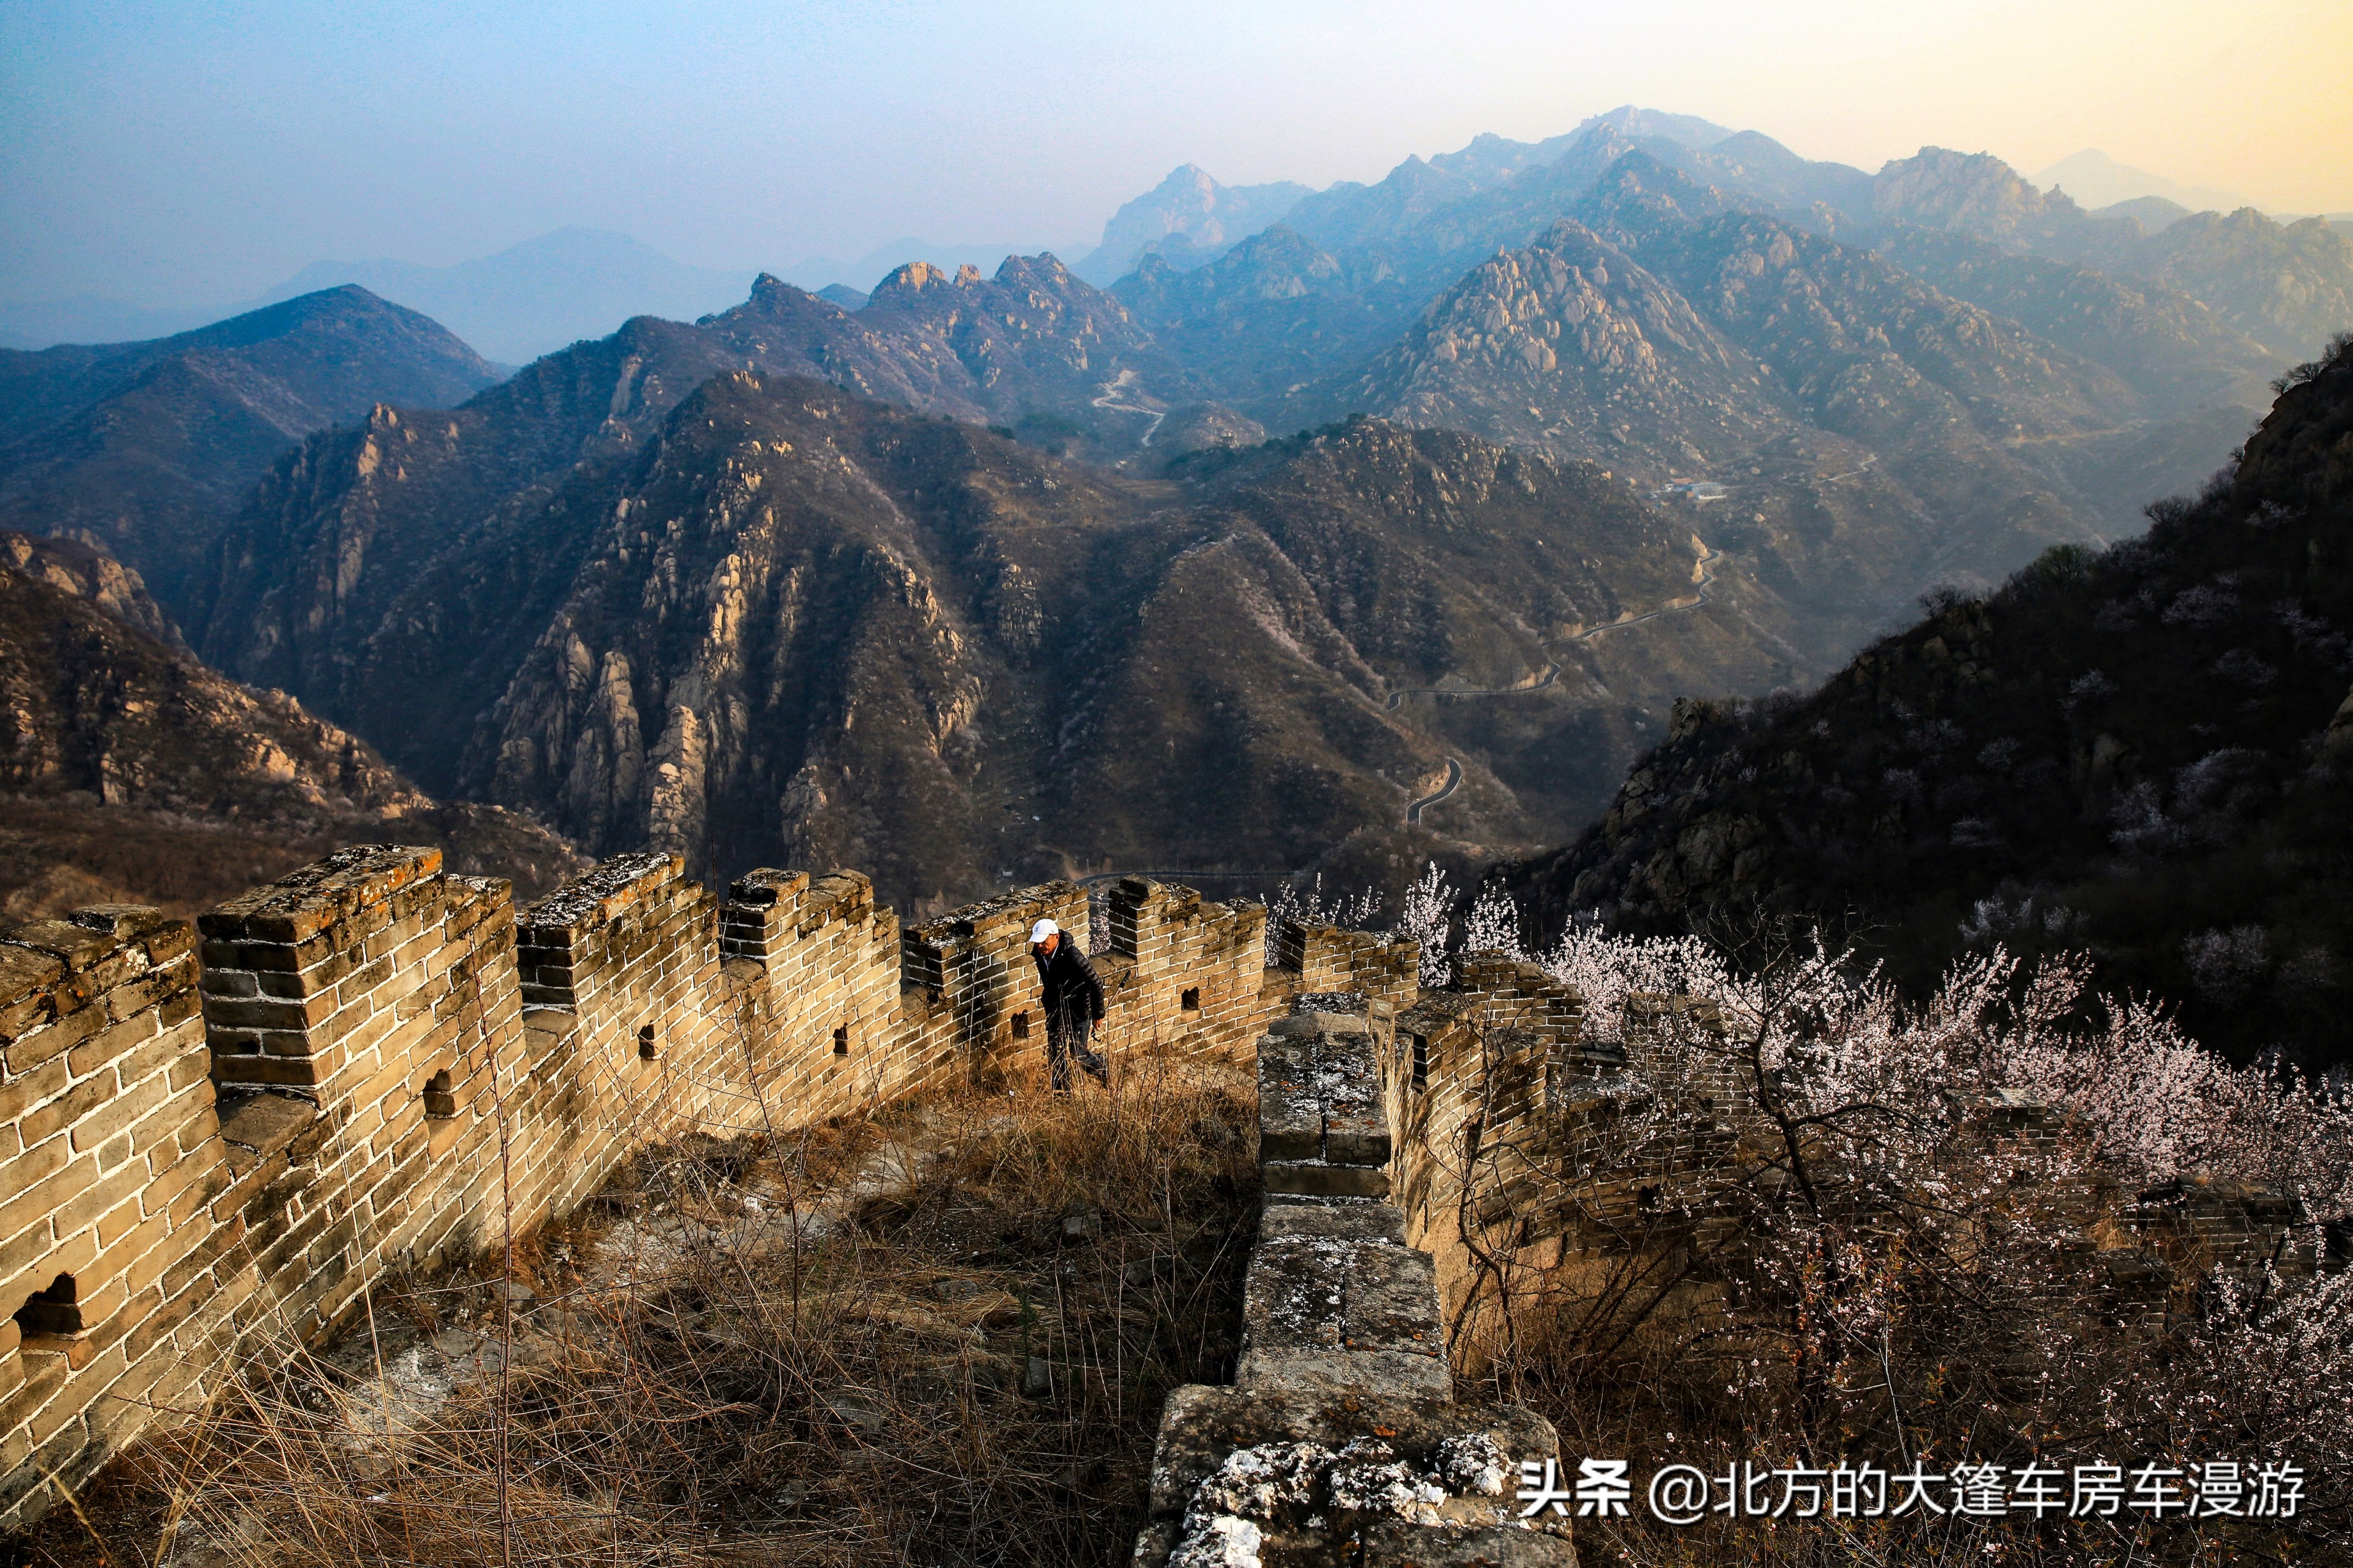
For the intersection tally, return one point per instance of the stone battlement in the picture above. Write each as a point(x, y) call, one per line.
point(213, 1137)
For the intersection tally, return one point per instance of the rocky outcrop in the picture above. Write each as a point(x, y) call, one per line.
point(84, 570)
point(133, 771)
point(1273, 313)
point(1203, 428)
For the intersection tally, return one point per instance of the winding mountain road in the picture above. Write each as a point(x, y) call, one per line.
point(1118, 384)
point(1704, 579)
point(1453, 782)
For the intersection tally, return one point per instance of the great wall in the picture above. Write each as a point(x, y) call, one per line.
point(218, 1134)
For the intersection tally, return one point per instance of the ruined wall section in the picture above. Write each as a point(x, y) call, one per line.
point(626, 1029)
point(968, 988)
point(1328, 960)
point(1342, 1379)
point(211, 1150)
point(108, 1160)
point(215, 1138)
point(357, 1011)
point(1474, 1080)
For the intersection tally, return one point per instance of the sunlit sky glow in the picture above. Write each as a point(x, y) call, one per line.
point(173, 154)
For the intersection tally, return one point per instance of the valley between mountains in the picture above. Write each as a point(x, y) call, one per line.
point(1285, 551)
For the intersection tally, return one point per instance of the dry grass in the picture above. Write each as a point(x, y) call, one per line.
point(808, 1350)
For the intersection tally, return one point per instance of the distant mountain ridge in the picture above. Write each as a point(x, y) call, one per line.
point(152, 446)
point(2095, 180)
point(2288, 286)
point(534, 298)
point(1185, 220)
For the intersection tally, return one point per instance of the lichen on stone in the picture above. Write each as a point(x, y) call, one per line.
point(1473, 1464)
point(1367, 1476)
point(1255, 1482)
point(1217, 1541)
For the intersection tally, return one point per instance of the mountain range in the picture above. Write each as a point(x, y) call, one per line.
point(534, 298)
point(2096, 181)
point(759, 617)
point(975, 578)
point(134, 774)
point(2144, 751)
point(151, 446)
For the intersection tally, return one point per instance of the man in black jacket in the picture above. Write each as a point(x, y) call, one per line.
point(1073, 999)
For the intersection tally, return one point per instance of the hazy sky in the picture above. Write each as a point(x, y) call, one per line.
point(183, 153)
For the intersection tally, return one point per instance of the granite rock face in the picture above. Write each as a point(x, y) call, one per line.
point(135, 774)
point(87, 571)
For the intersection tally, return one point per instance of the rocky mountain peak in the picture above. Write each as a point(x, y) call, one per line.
point(910, 277)
point(1973, 192)
point(1189, 216)
point(1043, 270)
point(1570, 344)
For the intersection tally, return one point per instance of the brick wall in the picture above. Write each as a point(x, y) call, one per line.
point(1483, 1060)
point(1184, 973)
point(214, 1137)
point(109, 1178)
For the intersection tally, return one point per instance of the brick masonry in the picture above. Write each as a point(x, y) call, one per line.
point(212, 1138)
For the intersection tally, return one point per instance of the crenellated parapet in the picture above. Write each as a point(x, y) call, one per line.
point(1179, 967)
point(968, 986)
point(216, 1136)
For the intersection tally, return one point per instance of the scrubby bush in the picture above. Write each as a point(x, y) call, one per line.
point(1949, 1230)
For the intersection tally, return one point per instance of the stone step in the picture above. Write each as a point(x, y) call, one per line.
point(1334, 1299)
point(1469, 1455)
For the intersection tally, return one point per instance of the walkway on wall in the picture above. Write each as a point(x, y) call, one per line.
point(1705, 580)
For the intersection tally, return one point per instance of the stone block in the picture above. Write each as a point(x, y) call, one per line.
point(24, 971)
point(304, 903)
point(1316, 1178)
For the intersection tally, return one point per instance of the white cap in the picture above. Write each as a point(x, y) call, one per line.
point(1041, 931)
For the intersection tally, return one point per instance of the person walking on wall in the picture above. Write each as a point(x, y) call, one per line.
point(1073, 1000)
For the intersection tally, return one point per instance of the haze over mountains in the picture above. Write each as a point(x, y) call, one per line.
point(526, 301)
point(972, 578)
point(2095, 180)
